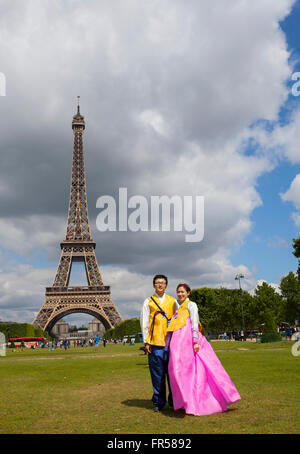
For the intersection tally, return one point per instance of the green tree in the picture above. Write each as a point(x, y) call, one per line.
point(296, 246)
point(270, 333)
point(125, 328)
point(290, 289)
point(21, 330)
point(233, 306)
point(207, 306)
point(266, 303)
point(221, 309)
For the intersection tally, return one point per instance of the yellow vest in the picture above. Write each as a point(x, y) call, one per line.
point(159, 333)
point(180, 318)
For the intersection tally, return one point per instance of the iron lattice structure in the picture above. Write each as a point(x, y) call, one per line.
point(93, 299)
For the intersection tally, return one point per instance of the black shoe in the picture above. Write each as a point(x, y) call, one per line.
point(157, 409)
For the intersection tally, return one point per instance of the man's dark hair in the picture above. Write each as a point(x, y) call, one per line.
point(160, 276)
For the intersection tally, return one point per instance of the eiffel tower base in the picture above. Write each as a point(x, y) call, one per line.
point(63, 301)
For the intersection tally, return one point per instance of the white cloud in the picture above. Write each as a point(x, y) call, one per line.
point(31, 234)
point(276, 287)
point(293, 195)
point(296, 219)
point(22, 291)
point(155, 120)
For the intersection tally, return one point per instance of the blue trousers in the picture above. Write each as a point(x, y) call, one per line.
point(158, 365)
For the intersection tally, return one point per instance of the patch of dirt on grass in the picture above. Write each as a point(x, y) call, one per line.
point(71, 356)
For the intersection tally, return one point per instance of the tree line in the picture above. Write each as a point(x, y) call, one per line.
point(127, 327)
point(21, 330)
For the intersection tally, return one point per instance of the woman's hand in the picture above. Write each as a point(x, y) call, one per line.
point(196, 348)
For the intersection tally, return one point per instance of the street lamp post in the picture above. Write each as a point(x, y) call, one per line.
point(238, 277)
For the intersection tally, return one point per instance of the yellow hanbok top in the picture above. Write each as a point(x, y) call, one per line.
point(180, 317)
point(157, 328)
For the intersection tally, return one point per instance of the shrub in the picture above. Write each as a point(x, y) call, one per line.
point(270, 333)
point(21, 330)
point(125, 328)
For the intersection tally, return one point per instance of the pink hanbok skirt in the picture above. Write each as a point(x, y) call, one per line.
point(199, 383)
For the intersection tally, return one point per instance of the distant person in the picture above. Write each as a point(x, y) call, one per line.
point(288, 332)
point(199, 383)
point(96, 339)
point(66, 344)
point(104, 342)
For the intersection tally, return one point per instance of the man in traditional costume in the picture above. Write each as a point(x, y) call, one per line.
point(157, 311)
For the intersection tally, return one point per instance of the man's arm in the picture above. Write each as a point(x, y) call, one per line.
point(144, 321)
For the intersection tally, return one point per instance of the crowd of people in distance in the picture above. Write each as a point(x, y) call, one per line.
point(288, 331)
point(68, 343)
point(91, 342)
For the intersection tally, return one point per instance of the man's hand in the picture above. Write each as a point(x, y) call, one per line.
point(148, 348)
point(196, 348)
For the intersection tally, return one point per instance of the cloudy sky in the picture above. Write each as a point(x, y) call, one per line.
point(179, 98)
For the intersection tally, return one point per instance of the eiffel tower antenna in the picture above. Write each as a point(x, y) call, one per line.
point(78, 246)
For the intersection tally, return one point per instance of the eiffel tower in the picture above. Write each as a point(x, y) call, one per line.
point(78, 246)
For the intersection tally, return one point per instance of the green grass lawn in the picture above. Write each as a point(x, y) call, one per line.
point(108, 391)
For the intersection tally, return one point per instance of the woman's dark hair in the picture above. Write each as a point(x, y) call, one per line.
point(185, 286)
point(160, 276)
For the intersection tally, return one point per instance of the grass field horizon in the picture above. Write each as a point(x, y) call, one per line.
point(108, 391)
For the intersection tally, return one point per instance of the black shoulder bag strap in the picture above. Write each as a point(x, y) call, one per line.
point(162, 311)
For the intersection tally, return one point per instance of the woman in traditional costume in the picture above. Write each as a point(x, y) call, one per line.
point(199, 383)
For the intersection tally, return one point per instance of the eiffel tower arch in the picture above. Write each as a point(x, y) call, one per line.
point(93, 299)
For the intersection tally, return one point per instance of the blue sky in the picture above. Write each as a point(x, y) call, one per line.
point(268, 247)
